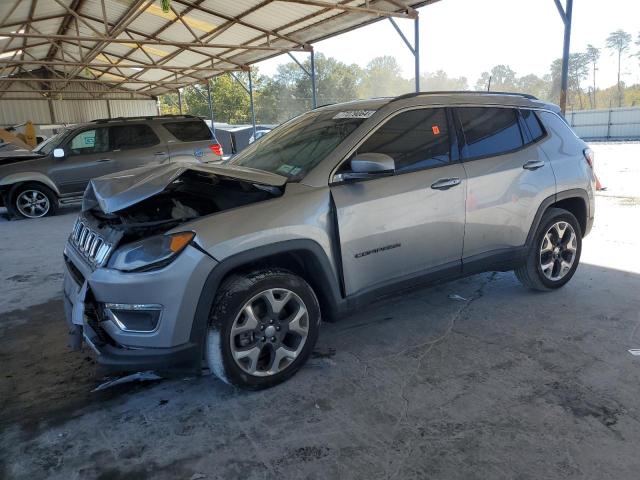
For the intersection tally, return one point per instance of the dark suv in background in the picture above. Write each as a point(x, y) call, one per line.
point(58, 170)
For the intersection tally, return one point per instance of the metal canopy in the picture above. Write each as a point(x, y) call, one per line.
point(134, 46)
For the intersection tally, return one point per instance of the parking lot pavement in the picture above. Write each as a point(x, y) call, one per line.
point(499, 382)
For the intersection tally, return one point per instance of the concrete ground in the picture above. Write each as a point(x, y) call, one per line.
point(505, 383)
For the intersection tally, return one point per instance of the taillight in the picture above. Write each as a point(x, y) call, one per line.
point(216, 148)
point(588, 156)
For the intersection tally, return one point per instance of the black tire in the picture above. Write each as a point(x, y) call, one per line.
point(234, 294)
point(42, 193)
point(531, 273)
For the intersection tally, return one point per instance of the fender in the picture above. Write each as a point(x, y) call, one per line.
point(547, 202)
point(320, 265)
point(21, 177)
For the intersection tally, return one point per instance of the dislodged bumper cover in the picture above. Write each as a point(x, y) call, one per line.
point(115, 192)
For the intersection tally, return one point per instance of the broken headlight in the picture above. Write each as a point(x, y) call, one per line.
point(150, 253)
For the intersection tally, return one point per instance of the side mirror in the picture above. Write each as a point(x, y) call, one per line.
point(373, 163)
point(368, 165)
point(58, 153)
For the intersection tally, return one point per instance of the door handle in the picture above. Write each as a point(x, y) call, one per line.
point(160, 153)
point(101, 160)
point(445, 183)
point(533, 164)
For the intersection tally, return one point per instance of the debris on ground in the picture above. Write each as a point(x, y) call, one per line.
point(135, 377)
point(455, 296)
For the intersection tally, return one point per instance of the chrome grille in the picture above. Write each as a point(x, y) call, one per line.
point(92, 246)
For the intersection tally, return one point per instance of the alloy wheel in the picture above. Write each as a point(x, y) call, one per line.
point(558, 250)
point(33, 204)
point(269, 332)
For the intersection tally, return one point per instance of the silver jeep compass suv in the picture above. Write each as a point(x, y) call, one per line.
point(234, 265)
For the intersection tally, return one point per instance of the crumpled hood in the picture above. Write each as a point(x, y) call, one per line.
point(120, 190)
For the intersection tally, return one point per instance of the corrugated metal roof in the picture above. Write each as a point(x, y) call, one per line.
point(153, 46)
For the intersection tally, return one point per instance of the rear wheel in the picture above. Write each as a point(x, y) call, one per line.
point(262, 328)
point(555, 252)
point(33, 200)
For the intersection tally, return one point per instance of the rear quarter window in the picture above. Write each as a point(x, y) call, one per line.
point(533, 124)
point(191, 131)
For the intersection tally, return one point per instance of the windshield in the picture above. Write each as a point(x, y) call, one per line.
point(49, 144)
point(294, 148)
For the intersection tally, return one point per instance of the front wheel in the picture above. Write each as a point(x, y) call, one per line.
point(262, 328)
point(33, 200)
point(554, 255)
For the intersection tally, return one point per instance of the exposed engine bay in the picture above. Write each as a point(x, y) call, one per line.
point(192, 195)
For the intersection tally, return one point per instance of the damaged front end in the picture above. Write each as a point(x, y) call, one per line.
point(148, 201)
point(133, 275)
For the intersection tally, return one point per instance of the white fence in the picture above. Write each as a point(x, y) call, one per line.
point(609, 124)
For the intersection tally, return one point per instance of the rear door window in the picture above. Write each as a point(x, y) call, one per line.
point(126, 137)
point(191, 131)
point(489, 131)
point(95, 140)
point(415, 139)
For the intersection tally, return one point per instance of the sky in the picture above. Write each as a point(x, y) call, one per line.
point(467, 37)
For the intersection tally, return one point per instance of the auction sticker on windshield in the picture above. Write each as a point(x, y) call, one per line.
point(354, 114)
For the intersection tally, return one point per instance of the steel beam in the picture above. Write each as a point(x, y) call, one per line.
point(349, 8)
point(314, 100)
point(167, 43)
point(169, 68)
point(565, 15)
point(414, 49)
point(253, 112)
point(210, 105)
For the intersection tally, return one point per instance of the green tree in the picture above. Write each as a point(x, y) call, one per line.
point(194, 100)
point(168, 104)
point(440, 81)
point(534, 85)
point(382, 78)
point(502, 78)
point(230, 100)
point(593, 55)
point(618, 42)
point(578, 71)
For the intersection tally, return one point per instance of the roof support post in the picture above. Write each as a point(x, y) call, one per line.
point(210, 104)
point(416, 52)
point(253, 112)
point(414, 49)
point(314, 100)
point(565, 15)
point(179, 101)
point(249, 90)
point(311, 74)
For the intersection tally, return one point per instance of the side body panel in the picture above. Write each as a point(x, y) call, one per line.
point(564, 150)
point(137, 157)
point(300, 213)
point(396, 226)
point(502, 199)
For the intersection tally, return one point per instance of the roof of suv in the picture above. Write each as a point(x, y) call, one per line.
point(150, 118)
point(125, 120)
point(451, 98)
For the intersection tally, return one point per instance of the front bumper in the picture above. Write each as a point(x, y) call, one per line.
point(176, 287)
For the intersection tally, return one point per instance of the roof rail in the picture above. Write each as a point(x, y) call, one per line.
point(464, 92)
point(146, 117)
